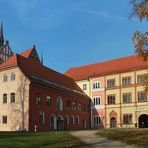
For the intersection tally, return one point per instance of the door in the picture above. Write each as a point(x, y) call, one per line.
point(113, 122)
point(143, 121)
point(60, 125)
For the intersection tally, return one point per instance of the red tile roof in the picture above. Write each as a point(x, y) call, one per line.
point(26, 53)
point(37, 72)
point(106, 67)
point(12, 61)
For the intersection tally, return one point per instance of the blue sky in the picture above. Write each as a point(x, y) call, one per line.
point(70, 33)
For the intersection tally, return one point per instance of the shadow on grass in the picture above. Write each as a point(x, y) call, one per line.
point(136, 136)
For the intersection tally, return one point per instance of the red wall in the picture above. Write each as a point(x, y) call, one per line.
point(34, 109)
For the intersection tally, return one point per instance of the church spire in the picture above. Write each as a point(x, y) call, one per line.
point(42, 58)
point(1, 35)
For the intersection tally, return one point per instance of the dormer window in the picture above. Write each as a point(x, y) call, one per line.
point(5, 78)
point(12, 76)
point(84, 86)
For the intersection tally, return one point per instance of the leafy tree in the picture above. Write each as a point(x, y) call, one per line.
point(140, 39)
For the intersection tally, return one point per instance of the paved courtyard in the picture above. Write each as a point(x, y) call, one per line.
point(89, 137)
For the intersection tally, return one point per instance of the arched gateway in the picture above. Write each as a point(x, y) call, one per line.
point(113, 119)
point(143, 121)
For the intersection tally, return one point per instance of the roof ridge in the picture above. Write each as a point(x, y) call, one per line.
point(102, 62)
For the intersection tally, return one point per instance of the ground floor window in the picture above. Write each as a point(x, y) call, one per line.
point(127, 119)
point(77, 120)
point(66, 119)
point(4, 119)
point(72, 120)
point(42, 118)
point(97, 120)
point(142, 97)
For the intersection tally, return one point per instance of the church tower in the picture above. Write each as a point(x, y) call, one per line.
point(1, 35)
point(5, 50)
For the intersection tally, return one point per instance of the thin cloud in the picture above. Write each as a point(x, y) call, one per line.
point(106, 15)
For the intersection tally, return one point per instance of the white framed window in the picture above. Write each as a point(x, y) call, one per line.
point(96, 85)
point(97, 100)
point(97, 120)
point(48, 100)
point(38, 99)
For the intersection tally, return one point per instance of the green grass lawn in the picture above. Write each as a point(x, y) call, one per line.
point(35, 140)
point(138, 137)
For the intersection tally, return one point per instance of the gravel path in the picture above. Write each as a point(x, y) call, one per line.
point(89, 137)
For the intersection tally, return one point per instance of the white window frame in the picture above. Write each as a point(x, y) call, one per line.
point(99, 100)
point(97, 87)
point(98, 121)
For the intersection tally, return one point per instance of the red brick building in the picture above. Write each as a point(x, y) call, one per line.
point(36, 98)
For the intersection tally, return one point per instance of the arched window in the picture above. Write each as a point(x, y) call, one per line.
point(5, 78)
point(72, 120)
point(59, 104)
point(42, 118)
point(77, 120)
point(12, 76)
point(66, 119)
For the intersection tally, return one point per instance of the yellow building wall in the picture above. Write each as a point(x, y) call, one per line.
point(139, 72)
point(128, 74)
point(128, 90)
point(136, 109)
point(108, 111)
point(115, 92)
point(116, 77)
point(80, 83)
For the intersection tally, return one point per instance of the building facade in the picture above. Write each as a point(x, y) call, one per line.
point(36, 98)
point(118, 95)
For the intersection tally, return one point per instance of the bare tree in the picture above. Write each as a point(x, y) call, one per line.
point(20, 108)
point(140, 40)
